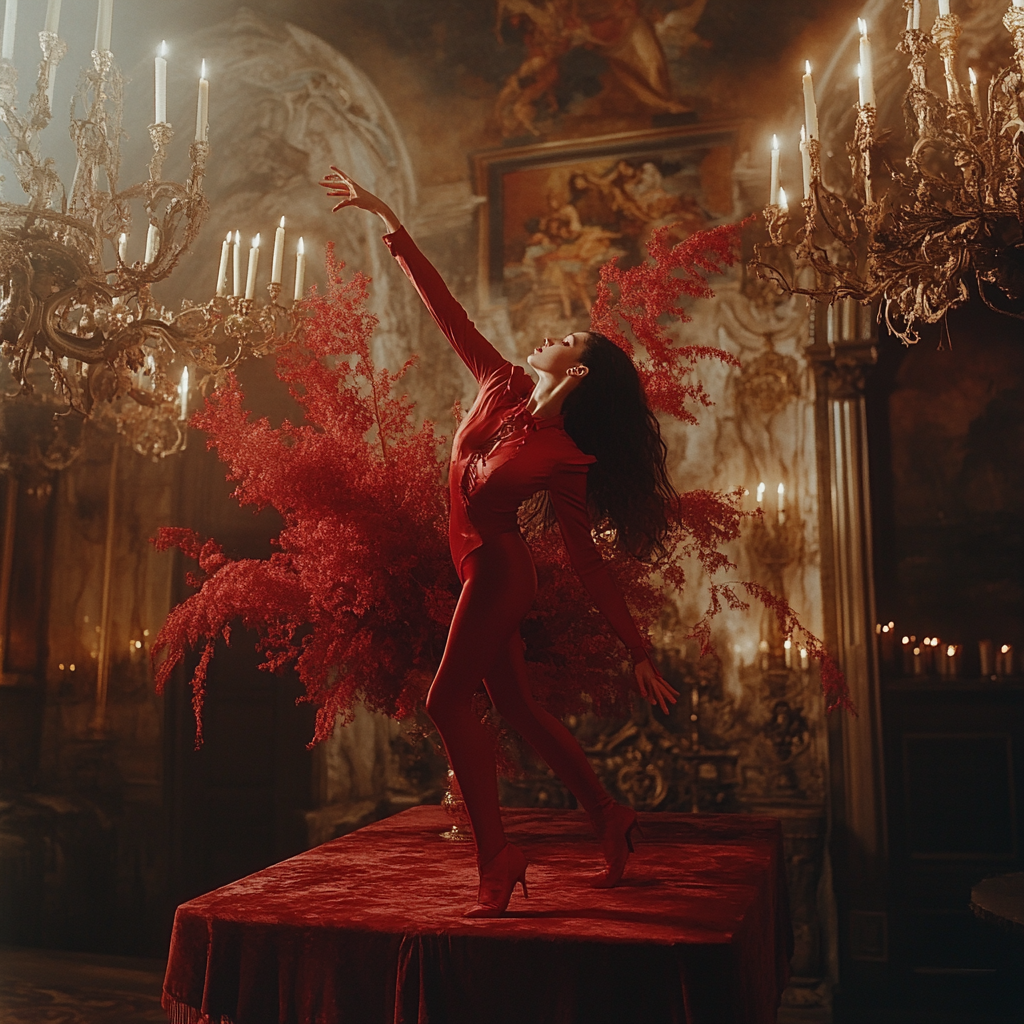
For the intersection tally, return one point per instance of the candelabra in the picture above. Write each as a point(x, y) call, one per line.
point(950, 221)
point(73, 308)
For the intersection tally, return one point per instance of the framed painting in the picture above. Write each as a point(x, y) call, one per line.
point(555, 211)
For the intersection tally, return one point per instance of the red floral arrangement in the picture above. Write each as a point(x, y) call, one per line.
point(360, 593)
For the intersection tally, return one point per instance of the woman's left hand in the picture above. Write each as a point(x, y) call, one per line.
point(652, 687)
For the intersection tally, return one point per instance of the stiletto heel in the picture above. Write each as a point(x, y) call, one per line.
point(498, 878)
point(615, 831)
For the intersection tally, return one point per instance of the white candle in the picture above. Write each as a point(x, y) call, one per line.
point(781, 506)
point(254, 261)
point(203, 106)
point(867, 75)
point(10, 23)
point(300, 271)
point(773, 192)
point(222, 272)
point(236, 268)
point(52, 22)
point(277, 267)
point(160, 72)
point(943, 8)
point(810, 107)
point(975, 94)
point(917, 14)
point(805, 162)
point(183, 394)
point(104, 22)
point(122, 247)
point(152, 243)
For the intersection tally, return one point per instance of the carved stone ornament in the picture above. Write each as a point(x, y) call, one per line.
point(769, 382)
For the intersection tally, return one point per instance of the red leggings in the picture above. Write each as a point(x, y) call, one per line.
point(484, 645)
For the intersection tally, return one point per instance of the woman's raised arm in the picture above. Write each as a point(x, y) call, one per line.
point(479, 355)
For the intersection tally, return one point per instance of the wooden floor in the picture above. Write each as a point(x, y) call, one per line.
point(41, 986)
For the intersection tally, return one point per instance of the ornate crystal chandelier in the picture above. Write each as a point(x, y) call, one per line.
point(920, 236)
point(79, 328)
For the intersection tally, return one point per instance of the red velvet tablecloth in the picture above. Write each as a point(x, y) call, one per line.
point(368, 929)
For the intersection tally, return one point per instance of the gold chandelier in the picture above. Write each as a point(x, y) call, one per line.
point(918, 237)
point(80, 330)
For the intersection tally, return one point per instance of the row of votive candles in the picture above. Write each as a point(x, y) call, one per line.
point(929, 655)
point(231, 265)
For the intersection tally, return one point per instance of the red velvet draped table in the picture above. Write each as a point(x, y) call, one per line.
point(368, 929)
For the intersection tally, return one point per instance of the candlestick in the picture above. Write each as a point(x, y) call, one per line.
point(203, 106)
point(222, 271)
point(866, 78)
point(300, 271)
point(10, 24)
point(160, 74)
point(183, 394)
point(104, 23)
point(254, 261)
point(805, 162)
point(152, 243)
point(277, 267)
point(810, 107)
point(783, 201)
point(236, 259)
point(52, 22)
point(773, 192)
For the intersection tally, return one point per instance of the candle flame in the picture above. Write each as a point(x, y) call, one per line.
point(123, 238)
point(184, 380)
point(783, 201)
point(973, 77)
point(302, 246)
point(202, 70)
point(788, 644)
point(228, 239)
point(760, 492)
point(906, 639)
point(162, 52)
point(807, 67)
point(775, 143)
point(256, 240)
point(1005, 649)
point(150, 365)
point(282, 222)
point(238, 238)
point(950, 651)
point(863, 26)
point(782, 490)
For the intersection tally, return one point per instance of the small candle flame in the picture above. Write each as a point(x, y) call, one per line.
point(256, 240)
point(973, 77)
point(228, 238)
point(162, 52)
point(807, 67)
point(302, 246)
point(775, 143)
point(760, 492)
point(950, 651)
point(202, 70)
point(282, 222)
point(863, 26)
point(783, 201)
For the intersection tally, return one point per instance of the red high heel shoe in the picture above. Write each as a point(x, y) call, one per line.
point(498, 877)
point(615, 834)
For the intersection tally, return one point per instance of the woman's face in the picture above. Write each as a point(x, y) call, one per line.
point(558, 356)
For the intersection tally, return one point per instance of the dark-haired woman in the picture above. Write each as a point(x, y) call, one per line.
point(585, 412)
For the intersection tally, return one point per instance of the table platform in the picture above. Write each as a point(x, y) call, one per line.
point(368, 928)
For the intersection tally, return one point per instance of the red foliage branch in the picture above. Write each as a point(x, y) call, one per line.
point(358, 598)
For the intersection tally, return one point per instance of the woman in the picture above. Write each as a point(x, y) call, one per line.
point(512, 444)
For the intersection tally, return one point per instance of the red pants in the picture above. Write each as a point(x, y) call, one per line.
point(484, 644)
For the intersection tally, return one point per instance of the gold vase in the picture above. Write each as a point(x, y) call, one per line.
point(455, 807)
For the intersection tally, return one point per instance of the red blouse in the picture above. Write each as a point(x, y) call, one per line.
point(502, 454)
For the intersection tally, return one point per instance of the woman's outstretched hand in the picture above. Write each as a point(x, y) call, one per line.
point(652, 687)
point(341, 186)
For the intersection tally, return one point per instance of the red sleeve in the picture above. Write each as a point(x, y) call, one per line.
point(568, 489)
point(474, 349)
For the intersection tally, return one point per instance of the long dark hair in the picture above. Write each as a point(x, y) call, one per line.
point(607, 416)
